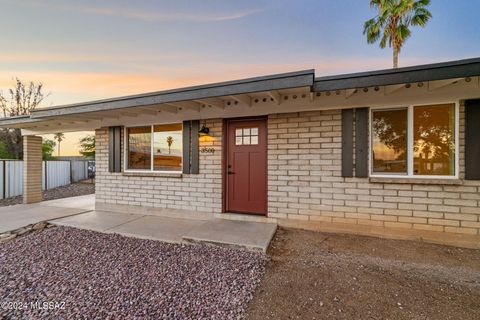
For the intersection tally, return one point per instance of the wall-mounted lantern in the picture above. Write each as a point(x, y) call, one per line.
point(204, 132)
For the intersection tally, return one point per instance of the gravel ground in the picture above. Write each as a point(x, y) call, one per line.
point(314, 275)
point(72, 190)
point(106, 276)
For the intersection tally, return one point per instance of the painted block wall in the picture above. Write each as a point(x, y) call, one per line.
point(305, 183)
point(305, 186)
point(193, 192)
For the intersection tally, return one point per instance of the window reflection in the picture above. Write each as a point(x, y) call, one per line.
point(139, 150)
point(389, 135)
point(167, 147)
point(434, 140)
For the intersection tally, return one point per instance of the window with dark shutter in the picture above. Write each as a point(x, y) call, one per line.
point(361, 142)
point(114, 149)
point(347, 143)
point(472, 136)
point(186, 146)
point(195, 152)
point(191, 148)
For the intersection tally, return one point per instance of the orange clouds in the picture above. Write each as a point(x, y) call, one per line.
point(77, 86)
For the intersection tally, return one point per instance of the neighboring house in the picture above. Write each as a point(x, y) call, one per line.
point(389, 153)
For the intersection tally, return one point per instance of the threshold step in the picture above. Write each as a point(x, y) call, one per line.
point(248, 235)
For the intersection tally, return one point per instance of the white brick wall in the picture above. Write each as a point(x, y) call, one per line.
point(194, 192)
point(305, 182)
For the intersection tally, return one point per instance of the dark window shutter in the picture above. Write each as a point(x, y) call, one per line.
point(114, 149)
point(347, 143)
point(186, 146)
point(195, 152)
point(472, 138)
point(361, 142)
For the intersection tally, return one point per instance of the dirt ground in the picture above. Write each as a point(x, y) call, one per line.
point(315, 275)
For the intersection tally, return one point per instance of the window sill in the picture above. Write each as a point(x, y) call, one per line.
point(153, 174)
point(416, 181)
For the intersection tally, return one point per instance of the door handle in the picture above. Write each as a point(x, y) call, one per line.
point(230, 172)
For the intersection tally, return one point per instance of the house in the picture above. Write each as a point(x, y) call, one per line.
point(389, 153)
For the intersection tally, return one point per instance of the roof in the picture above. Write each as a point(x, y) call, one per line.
point(265, 83)
point(426, 72)
point(271, 83)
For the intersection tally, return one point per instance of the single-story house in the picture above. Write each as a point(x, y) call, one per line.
point(390, 153)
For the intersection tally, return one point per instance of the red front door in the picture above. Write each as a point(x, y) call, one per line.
point(246, 170)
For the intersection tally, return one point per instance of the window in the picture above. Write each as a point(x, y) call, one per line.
point(154, 148)
point(414, 141)
point(390, 141)
point(167, 147)
point(139, 150)
point(434, 140)
point(246, 136)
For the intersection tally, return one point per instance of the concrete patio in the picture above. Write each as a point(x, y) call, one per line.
point(241, 234)
point(18, 216)
point(79, 212)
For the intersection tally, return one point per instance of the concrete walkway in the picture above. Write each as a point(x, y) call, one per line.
point(18, 216)
point(241, 234)
point(79, 212)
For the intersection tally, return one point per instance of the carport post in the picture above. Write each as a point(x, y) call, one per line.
point(32, 169)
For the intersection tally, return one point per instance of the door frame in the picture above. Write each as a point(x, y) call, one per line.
point(226, 122)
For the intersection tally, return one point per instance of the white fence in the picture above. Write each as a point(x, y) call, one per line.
point(79, 170)
point(54, 174)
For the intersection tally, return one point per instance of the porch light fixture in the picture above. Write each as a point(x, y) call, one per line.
point(204, 132)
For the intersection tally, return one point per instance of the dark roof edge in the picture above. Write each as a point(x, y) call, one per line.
point(16, 119)
point(400, 70)
point(427, 72)
point(190, 88)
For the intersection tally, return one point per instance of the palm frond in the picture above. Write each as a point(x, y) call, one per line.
point(392, 24)
point(421, 17)
point(371, 28)
point(403, 33)
point(421, 4)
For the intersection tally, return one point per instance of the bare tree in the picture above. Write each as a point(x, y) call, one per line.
point(20, 100)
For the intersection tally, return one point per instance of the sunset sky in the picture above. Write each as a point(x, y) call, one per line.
point(84, 50)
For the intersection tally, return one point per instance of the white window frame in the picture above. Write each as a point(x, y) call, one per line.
point(125, 151)
point(410, 157)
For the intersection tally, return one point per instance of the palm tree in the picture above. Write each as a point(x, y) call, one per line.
point(59, 137)
point(169, 142)
point(392, 23)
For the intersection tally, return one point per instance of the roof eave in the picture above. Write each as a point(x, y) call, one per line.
point(5, 122)
point(433, 72)
point(275, 82)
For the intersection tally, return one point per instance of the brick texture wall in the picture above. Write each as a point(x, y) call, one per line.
point(193, 192)
point(32, 169)
point(305, 183)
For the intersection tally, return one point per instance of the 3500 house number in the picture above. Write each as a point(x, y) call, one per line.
point(207, 150)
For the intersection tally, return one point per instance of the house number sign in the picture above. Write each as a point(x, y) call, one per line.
point(207, 150)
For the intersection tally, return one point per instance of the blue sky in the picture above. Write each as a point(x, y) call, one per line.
point(83, 50)
point(125, 46)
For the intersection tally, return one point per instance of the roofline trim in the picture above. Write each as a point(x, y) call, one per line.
point(303, 78)
point(426, 72)
point(296, 79)
point(191, 88)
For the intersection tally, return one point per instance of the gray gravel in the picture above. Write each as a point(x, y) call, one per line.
point(71, 190)
point(107, 276)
